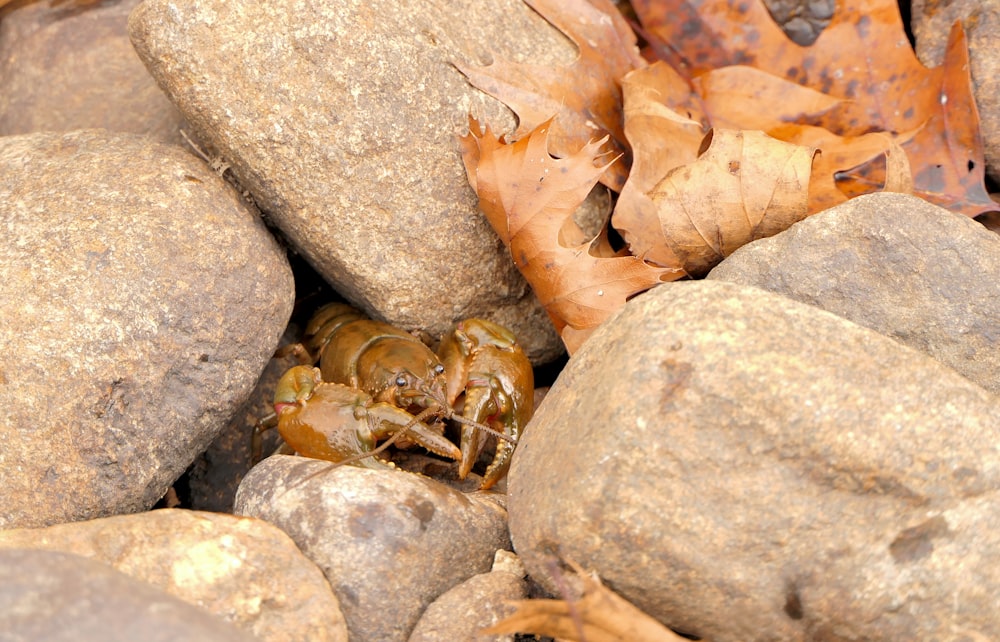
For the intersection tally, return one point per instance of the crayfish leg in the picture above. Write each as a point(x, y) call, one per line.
point(257, 440)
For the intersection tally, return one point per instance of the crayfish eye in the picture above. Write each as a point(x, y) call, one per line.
point(439, 369)
point(401, 381)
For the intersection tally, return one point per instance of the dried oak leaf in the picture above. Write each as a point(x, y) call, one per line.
point(585, 96)
point(529, 198)
point(863, 58)
point(740, 199)
point(599, 615)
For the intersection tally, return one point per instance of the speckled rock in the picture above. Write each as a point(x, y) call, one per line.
point(390, 542)
point(342, 119)
point(477, 603)
point(746, 467)
point(142, 299)
point(58, 597)
point(896, 264)
point(243, 570)
point(72, 67)
point(931, 22)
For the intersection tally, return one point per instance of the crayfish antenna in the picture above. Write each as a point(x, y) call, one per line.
point(449, 413)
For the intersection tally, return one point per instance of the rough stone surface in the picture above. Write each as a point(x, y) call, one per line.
point(477, 603)
point(931, 21)
point(243, 570)
point(390, 542)
point(217, 473)
point(71, 67)
point(58, 597)
point(342, 119)
point(896, 264)
point(743, 466)
point(142, 299)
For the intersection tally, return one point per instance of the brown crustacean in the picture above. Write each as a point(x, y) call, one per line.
point(376, 381)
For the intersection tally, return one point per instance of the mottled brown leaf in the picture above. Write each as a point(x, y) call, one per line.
point(863, 59)
point(745, 186)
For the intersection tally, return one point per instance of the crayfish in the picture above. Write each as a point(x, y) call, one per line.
point(376, 381)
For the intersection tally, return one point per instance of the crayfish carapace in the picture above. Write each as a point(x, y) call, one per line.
point(376, 381)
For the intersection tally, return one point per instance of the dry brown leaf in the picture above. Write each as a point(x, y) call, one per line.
point(745, 186)
point(862, 58)
point(529, 198)
point(887, 166)
point(585, 96)
point(665, 124)
point(602, 615)
point(679, 205)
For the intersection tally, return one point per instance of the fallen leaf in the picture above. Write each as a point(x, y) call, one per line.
point(745, 186)
point(665, 123)
point(835, 179)
point(529, 198)
point(682, 205)
point(599, 615)
point(862, 58)
point(585, 96)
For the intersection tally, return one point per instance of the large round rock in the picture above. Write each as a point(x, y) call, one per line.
point(342, 118)
point(896, 264)
point(746, 467)
point(72, 67)
point(142, 298)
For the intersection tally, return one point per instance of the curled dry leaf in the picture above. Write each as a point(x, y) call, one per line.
point(599, 615)
point(745, 186)
point(683, 205)
point(529, 198)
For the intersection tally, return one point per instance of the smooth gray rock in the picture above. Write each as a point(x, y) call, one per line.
point(896, 264)
point(342, 119)
point(745, 467)
point(58, 597)
point(142, 298)
point(243, 570)
point(389, 541)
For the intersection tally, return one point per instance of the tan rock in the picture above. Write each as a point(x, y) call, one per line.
point(142, 299)
point(745, 467)
point(342, 119)
point(894, 263)
point(477, 603)
point(242, 570)
point(58, 597)
point(72, 67)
